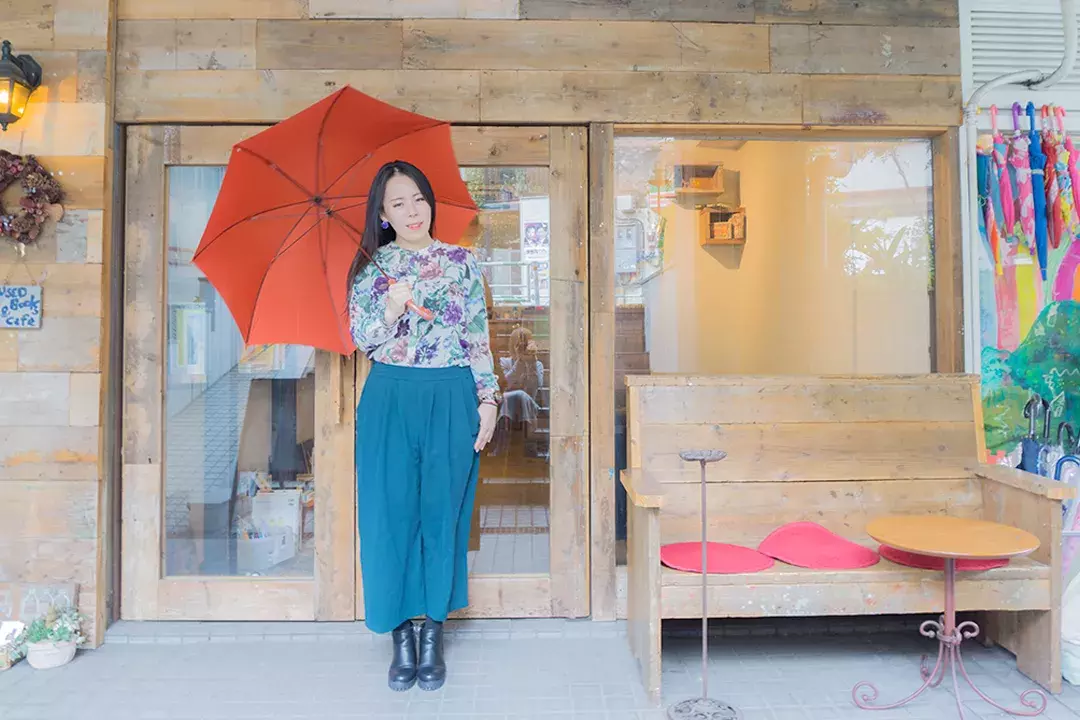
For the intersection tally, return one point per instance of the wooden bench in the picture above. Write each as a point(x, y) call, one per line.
point(838, 451)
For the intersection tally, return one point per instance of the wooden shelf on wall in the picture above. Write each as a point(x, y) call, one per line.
point(722, 226)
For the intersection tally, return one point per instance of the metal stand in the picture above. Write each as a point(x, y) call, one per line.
point(703, 708)
point(949, 636)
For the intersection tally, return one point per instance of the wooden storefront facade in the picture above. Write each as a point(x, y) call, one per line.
point(530, 83)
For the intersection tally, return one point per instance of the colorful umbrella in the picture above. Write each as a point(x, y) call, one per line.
point(1001, 149)
point(1038, 189)
point(289, 218)
point(1065, 166)
point(1019, 158)
point(1074, 172)
point(1054, 223)
point(986, 173)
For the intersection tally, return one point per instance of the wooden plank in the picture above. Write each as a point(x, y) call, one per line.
point(215, 44)
point(568, 188)
point(568, 519)
point(478, 9)
point(63, 128)
point(890, 13)
point(710, 131)
point(948, 341)
point(802, 452)
point(80, 24)
point(61, 509)
point(643, 488)
point(209, 9)
point(328, 45)
point(1028, 482)
point(643, 608)
point(882, 100)
point(59, 77)
point(796, 401)
point(73, 289)
point(140, 561)
point(1035, 637)
point(601, 369)
point(568, 97)
point(237, 599)
point(501, 596)
point(335, 488)
point(852, 49)
point(144, 265)
point(27, 23)
point(584, 45)
point(746, 513)
point(146, 45)
point(258, 96)
point(717, 11)
point(478, 146)
point(485, 146)
point(869, 597)
point(82, 177)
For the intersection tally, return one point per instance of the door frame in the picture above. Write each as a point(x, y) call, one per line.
point(334, 591)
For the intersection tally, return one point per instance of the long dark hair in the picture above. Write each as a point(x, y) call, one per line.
point(374, 235)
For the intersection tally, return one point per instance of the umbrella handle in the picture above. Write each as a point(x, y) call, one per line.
point(1059, 113)
point(1016, 116)
point(993, 119)
point(419, 310)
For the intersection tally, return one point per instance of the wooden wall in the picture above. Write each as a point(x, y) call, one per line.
point(50, 379)
point(831, 62)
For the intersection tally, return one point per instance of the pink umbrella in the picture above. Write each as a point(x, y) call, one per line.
point(1074, 172)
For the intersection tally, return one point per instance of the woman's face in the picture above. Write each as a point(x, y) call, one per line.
point(405, 208)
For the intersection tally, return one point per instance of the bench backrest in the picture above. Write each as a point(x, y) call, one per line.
point(837, 450)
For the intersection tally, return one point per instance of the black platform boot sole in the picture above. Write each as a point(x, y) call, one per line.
point(398, 686)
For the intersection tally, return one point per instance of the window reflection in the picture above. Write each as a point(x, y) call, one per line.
point(770, 257)
point(239, 425)
point(511, 237)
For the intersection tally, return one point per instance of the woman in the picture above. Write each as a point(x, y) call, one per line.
point(429, 406)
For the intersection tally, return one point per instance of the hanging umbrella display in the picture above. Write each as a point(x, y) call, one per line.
point(289, 218)
point(1038, 190)
point(1074, 171)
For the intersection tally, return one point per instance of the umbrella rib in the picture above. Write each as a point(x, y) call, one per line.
point(245, 219)
point(380, 146)
point(319, 137)
point(274, 166)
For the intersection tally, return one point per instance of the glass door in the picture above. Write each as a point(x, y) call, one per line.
point(231, 452)
point(239, 491)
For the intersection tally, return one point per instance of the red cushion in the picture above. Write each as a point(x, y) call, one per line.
point(723, 558)
point(809, 545)
point(926, 562)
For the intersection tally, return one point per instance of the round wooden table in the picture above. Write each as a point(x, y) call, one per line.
point(951, 539)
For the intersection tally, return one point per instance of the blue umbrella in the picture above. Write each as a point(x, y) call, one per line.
point(1029, 454)
point(1038, 189)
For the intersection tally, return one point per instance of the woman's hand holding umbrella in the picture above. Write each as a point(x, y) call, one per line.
point(398, 299)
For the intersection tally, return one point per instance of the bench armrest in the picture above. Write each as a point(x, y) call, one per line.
point(1028, 482)
point(643, 488)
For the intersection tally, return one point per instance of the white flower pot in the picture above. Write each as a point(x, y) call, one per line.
point(46, 654)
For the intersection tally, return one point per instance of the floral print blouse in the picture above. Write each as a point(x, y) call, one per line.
point(445, 279)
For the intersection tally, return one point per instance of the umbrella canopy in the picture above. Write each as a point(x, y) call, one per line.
point(1000, 151)
point(289, 218)
point(1020, 159)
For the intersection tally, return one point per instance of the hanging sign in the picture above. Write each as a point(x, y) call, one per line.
point(20, 306)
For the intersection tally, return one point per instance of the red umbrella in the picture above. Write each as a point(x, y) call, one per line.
point(288, 220)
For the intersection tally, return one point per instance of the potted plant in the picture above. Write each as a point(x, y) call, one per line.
point(50, 640)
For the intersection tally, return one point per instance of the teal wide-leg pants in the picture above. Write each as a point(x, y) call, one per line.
point(416, 474)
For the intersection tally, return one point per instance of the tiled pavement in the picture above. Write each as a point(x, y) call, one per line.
point(537, 669)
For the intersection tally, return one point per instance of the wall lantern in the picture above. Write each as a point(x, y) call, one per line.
point(20, 76)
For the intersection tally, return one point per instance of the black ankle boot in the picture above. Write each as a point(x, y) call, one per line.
point(432, 672)
point(402, 675)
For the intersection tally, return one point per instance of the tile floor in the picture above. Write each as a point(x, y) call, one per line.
point(538, 669)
